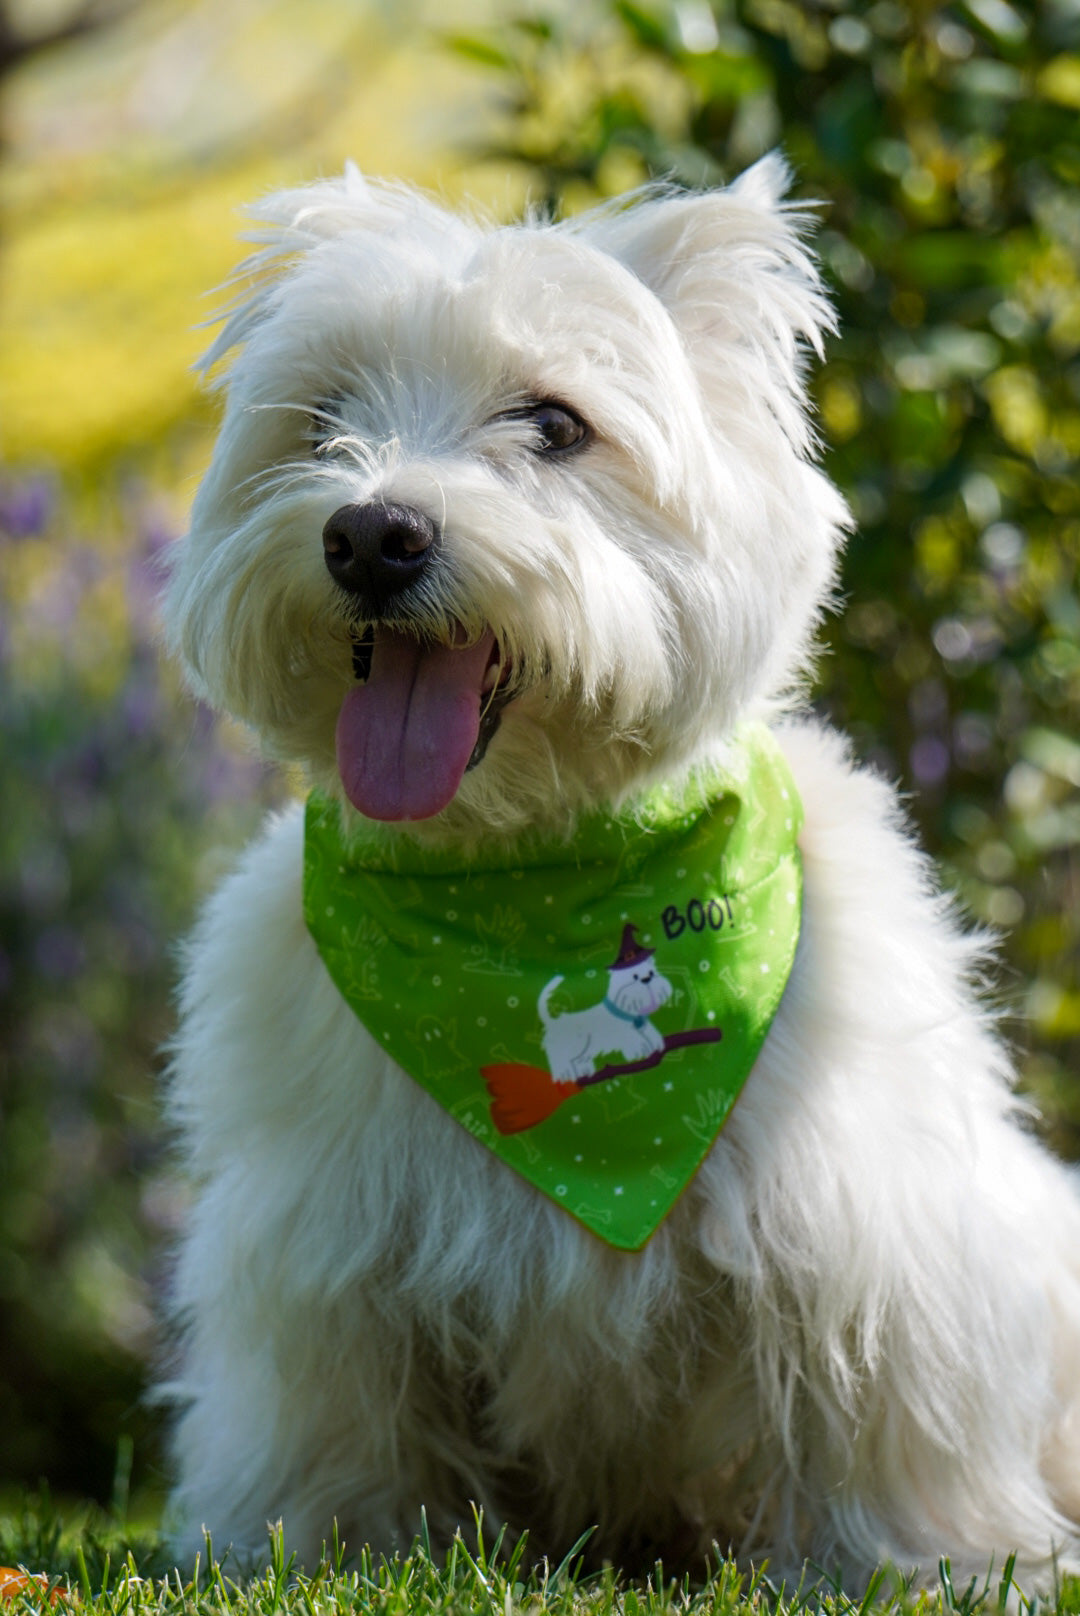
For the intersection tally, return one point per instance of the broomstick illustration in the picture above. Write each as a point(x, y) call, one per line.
point(522, 1096)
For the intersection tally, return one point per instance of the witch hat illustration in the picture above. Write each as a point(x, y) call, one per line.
point(631, 952)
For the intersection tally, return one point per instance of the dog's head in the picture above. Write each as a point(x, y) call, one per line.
point(638, 989)
point(502, 521)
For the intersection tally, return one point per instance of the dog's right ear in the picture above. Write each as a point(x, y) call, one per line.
point(292, 224)
point(694, 249)
point(734, 271)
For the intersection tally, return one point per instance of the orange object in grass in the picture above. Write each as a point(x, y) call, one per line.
point(13, 1582)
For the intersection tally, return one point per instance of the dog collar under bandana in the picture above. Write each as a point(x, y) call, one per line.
point(588, 1010)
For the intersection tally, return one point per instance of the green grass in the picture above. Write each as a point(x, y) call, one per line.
point(100, 1567)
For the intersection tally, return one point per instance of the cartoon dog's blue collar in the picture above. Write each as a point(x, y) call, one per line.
point(635, 1021)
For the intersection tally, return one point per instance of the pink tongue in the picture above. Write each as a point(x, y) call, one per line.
point(404, 738)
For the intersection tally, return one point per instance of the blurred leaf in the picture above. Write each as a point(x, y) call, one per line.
point(478, 49)
point(950, 260)
point(1053, 752)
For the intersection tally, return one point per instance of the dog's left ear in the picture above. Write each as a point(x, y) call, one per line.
point(731, 266)
point(292, 225)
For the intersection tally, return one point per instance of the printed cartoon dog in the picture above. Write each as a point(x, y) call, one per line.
point(620, 1022)
point(513, 540)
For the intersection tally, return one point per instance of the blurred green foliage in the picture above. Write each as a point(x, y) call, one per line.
point(943, 144)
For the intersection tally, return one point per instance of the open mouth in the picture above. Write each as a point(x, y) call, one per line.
point(425, 713)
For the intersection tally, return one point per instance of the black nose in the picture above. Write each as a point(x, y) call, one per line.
point(378, 550)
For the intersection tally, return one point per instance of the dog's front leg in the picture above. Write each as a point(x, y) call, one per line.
point(308, 1414)
point(302, 1386)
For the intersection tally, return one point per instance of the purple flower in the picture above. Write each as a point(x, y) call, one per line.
point(59, 953)
point(147, 574)
point(25, 508)
point(929, 760)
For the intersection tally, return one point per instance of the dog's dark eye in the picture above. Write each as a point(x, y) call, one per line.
point(558, 429)
point(324, 424)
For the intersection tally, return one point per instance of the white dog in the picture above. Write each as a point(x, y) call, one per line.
point(508, 531)
point(574, 1040)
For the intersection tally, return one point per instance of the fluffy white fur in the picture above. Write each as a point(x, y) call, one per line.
point(857, 1336)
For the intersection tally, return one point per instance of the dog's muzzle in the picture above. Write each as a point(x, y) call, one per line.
point(376, 551)
point(408, 730)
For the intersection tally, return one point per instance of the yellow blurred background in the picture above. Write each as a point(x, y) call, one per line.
point(131, 149)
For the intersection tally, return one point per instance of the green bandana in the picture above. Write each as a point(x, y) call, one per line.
point(589, 1011)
